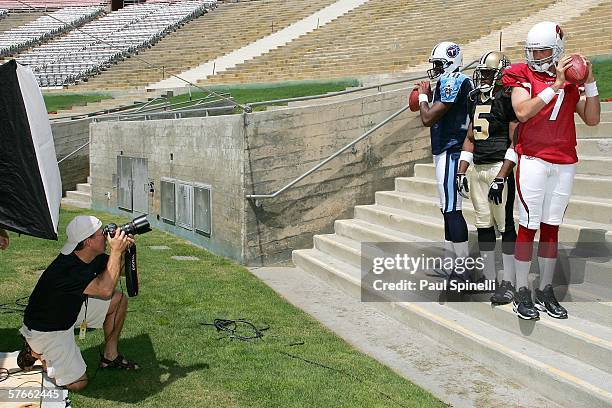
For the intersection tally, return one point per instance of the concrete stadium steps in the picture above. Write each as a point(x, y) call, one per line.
point(590, 200)
point(228, 27)
point(603, 130)
point(584, 34)
point(568, 361)
point(348, 47)
point(586, 340)
point(555, 375)
point(80, 198)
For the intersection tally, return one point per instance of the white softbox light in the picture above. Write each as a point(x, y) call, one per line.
point(30, 184)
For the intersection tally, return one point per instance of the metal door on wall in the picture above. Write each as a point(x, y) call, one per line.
point(133, 184)
point(140, 185)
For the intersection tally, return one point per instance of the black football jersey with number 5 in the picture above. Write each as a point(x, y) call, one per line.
point(490, 120)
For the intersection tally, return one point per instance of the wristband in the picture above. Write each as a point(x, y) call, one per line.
point(547, 95)
point(590, 90)
point(511, 155)
point(467, 156)
point(423, 98)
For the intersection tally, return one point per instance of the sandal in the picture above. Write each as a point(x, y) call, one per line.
point(119, 362)
point(25, 359)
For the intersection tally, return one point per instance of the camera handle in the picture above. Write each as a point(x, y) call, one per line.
point(131, 271)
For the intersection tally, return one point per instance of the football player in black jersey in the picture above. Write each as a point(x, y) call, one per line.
point(489, 147)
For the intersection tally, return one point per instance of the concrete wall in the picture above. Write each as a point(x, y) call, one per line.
point(283, 144)
point(204, 150)
point(69, 136)
point(261, 152)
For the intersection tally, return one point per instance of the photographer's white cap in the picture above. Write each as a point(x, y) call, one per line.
point(80, 228)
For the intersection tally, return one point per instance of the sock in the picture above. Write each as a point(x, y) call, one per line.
point(547, 270)
point(523, 250)
point(449, 252)
point(522, 273)
point(509, 273)
point(462, 250)
point(489, 264)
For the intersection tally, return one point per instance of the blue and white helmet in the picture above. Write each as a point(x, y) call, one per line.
point(446, 57)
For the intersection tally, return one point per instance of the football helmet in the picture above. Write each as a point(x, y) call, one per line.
point(446, 57)
point(544, 36)
point(489, 71)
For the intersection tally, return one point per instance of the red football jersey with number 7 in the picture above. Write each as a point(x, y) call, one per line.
point(551, 134)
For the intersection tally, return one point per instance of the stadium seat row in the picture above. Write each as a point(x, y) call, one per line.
point(44, 28)
point(13, 5)
point(98, 44)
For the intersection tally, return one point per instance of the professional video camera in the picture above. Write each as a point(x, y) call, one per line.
point(138, 225)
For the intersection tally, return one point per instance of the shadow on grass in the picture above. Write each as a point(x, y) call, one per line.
point(133, 386)
point(120, 385)
point(10, 340)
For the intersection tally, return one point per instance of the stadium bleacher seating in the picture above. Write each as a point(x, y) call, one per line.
point(586, 34)
point(115, 36)
point(397, 36)
point(44, 28)
point(48, 4)
point(229, 27)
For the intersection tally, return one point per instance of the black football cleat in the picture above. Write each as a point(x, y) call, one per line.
point(523, 305)
point(504, 293)
point(545, 301)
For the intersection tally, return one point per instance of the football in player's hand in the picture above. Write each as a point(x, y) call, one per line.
point(578, 70)
point(413, 100)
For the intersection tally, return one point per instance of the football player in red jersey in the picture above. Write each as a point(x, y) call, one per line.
point(544, 103)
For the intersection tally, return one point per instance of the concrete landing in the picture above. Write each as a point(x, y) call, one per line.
point(450, 376)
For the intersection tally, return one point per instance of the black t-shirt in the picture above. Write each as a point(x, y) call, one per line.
point(58, 296)
point(491, 126)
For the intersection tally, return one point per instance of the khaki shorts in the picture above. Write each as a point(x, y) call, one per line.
point(59, 349)
point(487, 213)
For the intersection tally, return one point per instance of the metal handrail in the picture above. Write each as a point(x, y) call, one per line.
point(258, 197)
point(72, 153)
point(148, 103)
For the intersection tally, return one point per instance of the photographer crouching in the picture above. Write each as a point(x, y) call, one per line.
point(77, 291)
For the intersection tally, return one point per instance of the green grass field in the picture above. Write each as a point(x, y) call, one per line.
point(56, 102)
point(188, 364)
point(602, 70)
point(240, 93)
point(266, 92)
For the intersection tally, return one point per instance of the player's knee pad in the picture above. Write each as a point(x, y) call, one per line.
point(508, 240)
point(486, 239)
point(524, 244)
point(549, 239)
point(457, 227)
